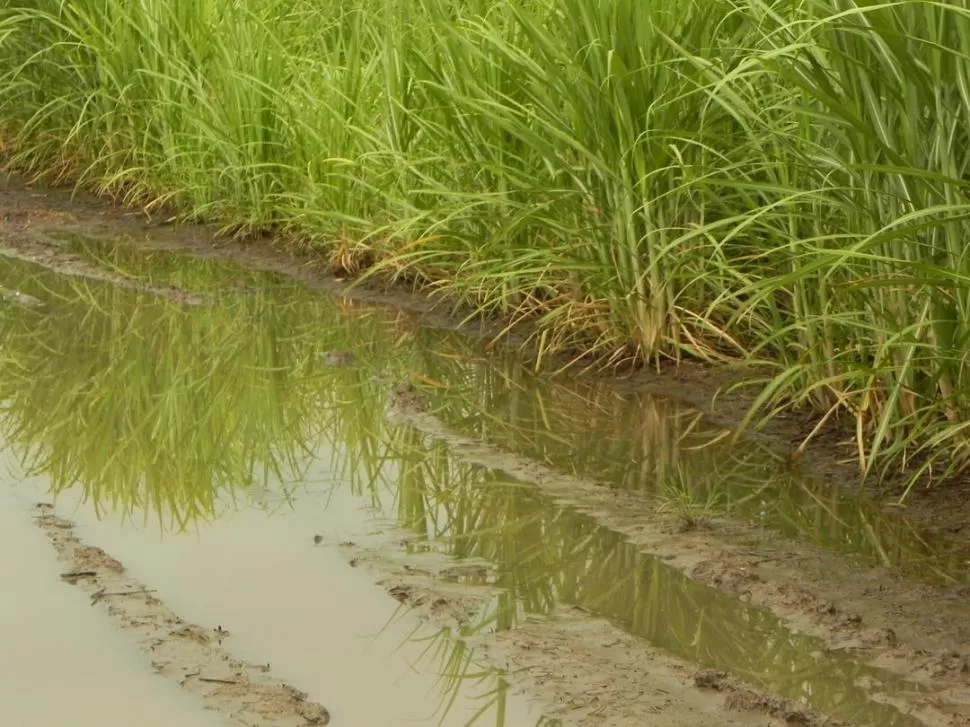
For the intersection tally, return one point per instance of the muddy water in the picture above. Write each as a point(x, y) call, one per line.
point(636, 442)
point(60, 661)
point(233, 411)
point(255, 572)
point(549, 556)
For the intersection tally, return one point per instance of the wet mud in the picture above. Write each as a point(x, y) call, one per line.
point(187, 653)
point(884, 626)
point(616, 581)
point(592, 672)
point(62, 262)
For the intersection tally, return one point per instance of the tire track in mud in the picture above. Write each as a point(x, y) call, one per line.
point(919, 633)
point(184, 652)
point(813, 592)
point(50, 257)
point(585, 670)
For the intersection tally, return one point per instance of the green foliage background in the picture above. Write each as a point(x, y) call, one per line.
point(781, 182)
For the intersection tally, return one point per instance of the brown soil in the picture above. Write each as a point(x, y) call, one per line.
point(185, 652)
point(588, 671)
point(21, 247)
point(915, 630)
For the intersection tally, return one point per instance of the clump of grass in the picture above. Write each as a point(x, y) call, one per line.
point(733, 180)
point(691, 501)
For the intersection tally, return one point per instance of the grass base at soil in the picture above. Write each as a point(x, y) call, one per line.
point(731, 180)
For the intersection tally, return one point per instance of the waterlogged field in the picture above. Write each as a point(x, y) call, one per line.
point(781, 182)
point(253, 456)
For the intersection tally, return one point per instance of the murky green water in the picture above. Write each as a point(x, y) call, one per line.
point(634, 442)
point(159, 409)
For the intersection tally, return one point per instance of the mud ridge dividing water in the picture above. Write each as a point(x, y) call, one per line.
point(586, 670)
point(187, 653)
point(916, 632)
point(803, 622)
point(59, 261)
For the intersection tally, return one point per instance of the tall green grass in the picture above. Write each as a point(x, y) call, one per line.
point(781, 182)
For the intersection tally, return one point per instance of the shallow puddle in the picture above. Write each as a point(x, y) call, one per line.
point(255, 574)
point(636, 442)
point(266, 396)
point(546, 556)
point(61, 662)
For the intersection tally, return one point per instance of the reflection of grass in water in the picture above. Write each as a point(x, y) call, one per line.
point(634, 442)
point(458, 670)
point(457, 667)
point(548, 555)
point(642, 443)
point(160, 267)
point(144, 404)
point(437, 499)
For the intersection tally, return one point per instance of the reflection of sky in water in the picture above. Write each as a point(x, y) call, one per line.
point(152, 407)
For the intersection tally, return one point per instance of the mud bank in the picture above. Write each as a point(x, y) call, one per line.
point(591, 671)
point(33, 219)
point(186, 653)
point(769, 629)
point(63, 662)
point(915, 631)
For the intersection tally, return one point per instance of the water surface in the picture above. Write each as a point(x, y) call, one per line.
point(62, 662)
point(231, 418)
